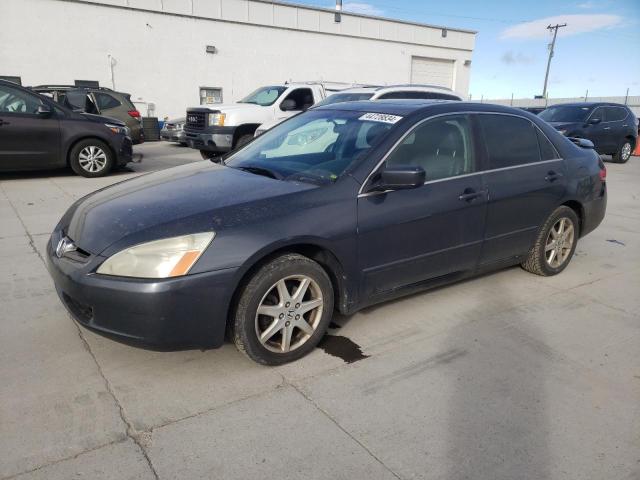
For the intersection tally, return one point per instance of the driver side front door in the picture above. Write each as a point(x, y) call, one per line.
point(408, 237)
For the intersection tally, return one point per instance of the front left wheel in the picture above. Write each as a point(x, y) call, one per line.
point(283, 311)
point(91, 158)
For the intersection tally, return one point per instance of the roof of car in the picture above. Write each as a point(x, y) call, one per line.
point(406, 107)
point(391, 88)
point(587, 104)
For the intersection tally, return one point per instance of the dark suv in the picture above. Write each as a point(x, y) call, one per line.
point(100, 101)
point(613, 128)
point(37, 133)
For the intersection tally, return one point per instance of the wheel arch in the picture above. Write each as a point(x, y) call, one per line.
point(313, 250)
point(578, 208)
point(244, 129)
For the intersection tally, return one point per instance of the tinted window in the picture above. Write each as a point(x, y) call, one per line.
point(509, 140)
point(106, 101)
point(547, 150)
point(413, 94)
point(565, 114)
point(442, 147)
point(615, 114)
point(598, 114)
point(17, 101)
point(303, 97)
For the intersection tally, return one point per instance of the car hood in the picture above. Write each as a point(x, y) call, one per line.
point(198, 197)
point(229, 107)
point(102, 119)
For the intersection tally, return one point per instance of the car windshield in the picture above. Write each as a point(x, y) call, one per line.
point(313, 147)
point(565, 114)
point(264, 96)
point(344, 97)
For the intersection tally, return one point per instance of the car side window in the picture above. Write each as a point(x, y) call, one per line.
point(547, 150)
point(16, 101)
point(598, 114)
point(509, 140)
point(105, 101)
point(303, 98)
point(442, 147)
point(616, 114)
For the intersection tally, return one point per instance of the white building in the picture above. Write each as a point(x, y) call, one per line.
point(172, 54)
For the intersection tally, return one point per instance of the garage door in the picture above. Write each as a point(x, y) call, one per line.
point(434, 71)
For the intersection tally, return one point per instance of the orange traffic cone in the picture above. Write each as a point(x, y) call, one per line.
point(637, 150)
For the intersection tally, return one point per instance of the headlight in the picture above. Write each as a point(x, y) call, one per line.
point(169, 257)
point(216, 119)
point(118, 129)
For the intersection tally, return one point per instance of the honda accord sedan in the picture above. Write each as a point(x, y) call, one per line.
point(335, 209)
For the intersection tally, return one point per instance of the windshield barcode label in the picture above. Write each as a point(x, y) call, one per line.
point(380, 117)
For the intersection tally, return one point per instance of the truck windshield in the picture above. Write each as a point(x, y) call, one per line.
point(264, 96)
point(565, 114)
point(314, 147)
point(344, 97)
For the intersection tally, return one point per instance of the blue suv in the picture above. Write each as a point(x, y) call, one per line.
point(613, 128)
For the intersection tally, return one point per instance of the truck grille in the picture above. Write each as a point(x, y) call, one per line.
point(196, 120)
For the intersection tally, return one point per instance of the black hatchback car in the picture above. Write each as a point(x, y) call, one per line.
point(37, 133)
point(337, 208)
point(613, 128)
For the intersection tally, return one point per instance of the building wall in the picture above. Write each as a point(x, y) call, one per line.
point(159, 47)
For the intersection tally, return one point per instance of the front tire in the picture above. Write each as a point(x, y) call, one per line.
point(624, 151)
point(91, 158)
point(243, 140)
point(555, 244)
point(283, 311)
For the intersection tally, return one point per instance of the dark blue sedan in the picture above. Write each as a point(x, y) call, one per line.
point(338, 208)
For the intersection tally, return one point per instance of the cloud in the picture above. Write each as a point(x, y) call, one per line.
point(576, 24)
point(363, 8)
point(510, 58)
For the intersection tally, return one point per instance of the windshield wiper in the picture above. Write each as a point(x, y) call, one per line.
point(265, 172)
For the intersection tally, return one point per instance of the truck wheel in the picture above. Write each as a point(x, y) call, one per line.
point(283, 311)
point(243, 140)
point(91, 158)
point(624, 151)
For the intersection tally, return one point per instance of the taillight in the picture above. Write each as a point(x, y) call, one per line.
point(603, 170)
point(134, 113)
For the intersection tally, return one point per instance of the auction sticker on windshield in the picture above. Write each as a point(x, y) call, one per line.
point(381, 117)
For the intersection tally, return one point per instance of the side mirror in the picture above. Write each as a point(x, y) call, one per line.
point(595, 121)
point(402, 177)
point(44, 110)
point(288, 105)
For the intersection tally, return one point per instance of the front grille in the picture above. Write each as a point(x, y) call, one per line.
point(82, 312)
point(196, 120)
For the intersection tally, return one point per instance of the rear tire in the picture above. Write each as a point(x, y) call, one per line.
point(294, 296)
point(624, 151)
point(555, 244)
point(91, 158)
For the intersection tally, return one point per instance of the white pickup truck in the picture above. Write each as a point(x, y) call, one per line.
point(220, 128)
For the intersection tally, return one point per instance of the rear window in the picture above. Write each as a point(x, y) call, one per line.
point(572, 114)
point(509, 140)
point(344, 97)
point(106, 101)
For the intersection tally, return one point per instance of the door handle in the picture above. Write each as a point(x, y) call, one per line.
point(552, 176)
point(470, 195)
point(4, 122)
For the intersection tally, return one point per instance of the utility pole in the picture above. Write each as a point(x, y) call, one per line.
point(551, 47)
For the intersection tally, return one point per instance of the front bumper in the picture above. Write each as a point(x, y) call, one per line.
point(124, 150)
point(172, 135)
point(165, 314)
point(217, 139)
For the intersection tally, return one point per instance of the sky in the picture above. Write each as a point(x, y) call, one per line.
point(598, 51)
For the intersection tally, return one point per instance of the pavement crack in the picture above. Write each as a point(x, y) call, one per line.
point(337, 424)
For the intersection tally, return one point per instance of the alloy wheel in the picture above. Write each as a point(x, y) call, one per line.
point(626, 151)
point(289, 313)
point(559, 242)
point(92, 159)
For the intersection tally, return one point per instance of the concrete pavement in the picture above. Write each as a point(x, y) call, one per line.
point(504, 376)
